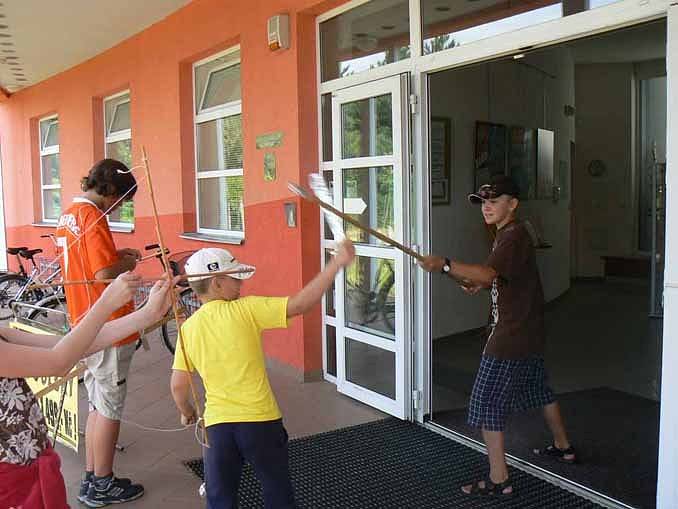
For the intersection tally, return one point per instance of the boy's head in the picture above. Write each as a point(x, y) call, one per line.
point(220, 287)
point(499, 200)
point(110, 179)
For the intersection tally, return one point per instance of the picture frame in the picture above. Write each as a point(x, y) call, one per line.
point(440, 157)
point(490, 152)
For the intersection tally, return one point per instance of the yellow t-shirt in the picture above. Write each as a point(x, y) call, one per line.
point(223, 343)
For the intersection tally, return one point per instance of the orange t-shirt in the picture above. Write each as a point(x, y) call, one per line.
point(87, 247)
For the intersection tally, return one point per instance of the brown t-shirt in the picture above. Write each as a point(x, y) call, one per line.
point(516, 329)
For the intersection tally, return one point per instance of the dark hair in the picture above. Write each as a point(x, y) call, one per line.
point(110, 177)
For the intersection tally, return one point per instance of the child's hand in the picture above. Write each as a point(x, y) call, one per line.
point(187, 420)
point(345, 253)
point(121, 290)
point(159, 300)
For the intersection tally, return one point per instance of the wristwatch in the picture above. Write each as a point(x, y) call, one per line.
point(448, 265)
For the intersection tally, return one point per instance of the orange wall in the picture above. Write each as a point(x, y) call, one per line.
point(278, 93)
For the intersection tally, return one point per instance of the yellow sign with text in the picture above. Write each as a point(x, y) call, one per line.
point(51, 402)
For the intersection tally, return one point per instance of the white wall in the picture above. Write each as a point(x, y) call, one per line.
point(507, 93)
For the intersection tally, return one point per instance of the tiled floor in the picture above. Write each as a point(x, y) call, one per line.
point(154, 458)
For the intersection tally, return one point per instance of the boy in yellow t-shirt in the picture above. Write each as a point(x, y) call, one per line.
point(223, 344)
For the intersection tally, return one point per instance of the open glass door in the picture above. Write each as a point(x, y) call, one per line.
point(367, 178)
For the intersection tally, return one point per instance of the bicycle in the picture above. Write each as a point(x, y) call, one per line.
point(374, 305)
point(53, 308)
point(16, 286)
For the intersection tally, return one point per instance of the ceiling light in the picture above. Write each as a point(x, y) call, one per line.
point(518, 56)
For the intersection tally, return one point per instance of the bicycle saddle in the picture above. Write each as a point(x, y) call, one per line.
point(30, 253)
point(16, 250)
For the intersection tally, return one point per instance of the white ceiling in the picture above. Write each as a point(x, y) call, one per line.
point(41, 38)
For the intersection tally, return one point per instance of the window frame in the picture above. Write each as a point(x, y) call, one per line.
point(218, 113)
point(47, 150)
point(122, 135)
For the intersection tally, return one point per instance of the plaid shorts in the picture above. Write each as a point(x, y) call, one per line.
point(505, 386)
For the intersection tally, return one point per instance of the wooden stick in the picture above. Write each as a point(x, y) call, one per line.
point(173, 297)
point(61, 381)
point(82, 368)
point(145, 280)
point(299, 190)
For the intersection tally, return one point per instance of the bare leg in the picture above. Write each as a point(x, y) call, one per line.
point(554, 421)
point(494, 440)
point(89, 440)
point(105, 438)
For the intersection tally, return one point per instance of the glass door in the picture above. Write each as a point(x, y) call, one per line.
point(365, 335)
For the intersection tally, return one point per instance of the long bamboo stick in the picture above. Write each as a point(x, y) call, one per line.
point(181, 277)
point(304, 193)
point(173, 297)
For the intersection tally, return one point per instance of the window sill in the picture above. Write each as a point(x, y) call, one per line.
point(121, 229)
point(45, 224)
point(219, 239)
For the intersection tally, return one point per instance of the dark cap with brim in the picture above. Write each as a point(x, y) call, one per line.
point(498, 185)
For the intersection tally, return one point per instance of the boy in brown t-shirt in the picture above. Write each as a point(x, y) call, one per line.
point(511, 376)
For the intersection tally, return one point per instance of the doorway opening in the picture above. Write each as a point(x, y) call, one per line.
point(581, 126)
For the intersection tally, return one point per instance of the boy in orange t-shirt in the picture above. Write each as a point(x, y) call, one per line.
point(90, 253)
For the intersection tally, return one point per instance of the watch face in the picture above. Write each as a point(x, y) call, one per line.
point(446, 268)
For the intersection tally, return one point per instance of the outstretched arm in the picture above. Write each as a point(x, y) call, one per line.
point(313, 292)
point(115, 330)
point(470, 275)
point(18, 360)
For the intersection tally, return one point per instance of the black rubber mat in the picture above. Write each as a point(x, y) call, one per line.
point(395, 464)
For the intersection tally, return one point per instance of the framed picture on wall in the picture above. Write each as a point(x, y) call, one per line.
point(523, 160)
point(490, 152)
point(440, 155)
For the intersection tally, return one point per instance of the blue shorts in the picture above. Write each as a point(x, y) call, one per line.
point(264, 446)
point(505, 386)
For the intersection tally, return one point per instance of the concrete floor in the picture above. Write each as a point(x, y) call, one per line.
point(154, 458)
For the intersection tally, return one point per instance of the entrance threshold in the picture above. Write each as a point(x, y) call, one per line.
point(536, 471)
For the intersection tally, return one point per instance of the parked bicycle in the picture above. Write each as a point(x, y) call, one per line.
point(16, 286)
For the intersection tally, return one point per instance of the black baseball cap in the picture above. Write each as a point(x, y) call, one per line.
point(499, 184)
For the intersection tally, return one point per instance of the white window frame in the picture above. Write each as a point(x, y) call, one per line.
point(122, 135)
point(206, 115)
point(47, 151)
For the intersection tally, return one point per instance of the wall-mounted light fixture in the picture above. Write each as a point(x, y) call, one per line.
point(291, 214)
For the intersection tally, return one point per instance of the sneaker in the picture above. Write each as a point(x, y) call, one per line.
point(111, 490)
point(84, 486)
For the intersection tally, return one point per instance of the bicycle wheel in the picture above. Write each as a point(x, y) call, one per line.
point(10, 287)
point(52, 314)
point(188, 303)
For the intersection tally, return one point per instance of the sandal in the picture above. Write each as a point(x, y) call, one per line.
point(489, 488)
point(563, 455)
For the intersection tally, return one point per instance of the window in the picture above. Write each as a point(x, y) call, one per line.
point(118, 145)
point(218, 145)
point(50, 171)
point(374, 34)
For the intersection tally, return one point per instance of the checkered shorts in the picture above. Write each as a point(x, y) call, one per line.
point(505, 386)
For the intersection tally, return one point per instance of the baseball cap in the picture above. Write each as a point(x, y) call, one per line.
point(212, 259)
point(499, 184)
